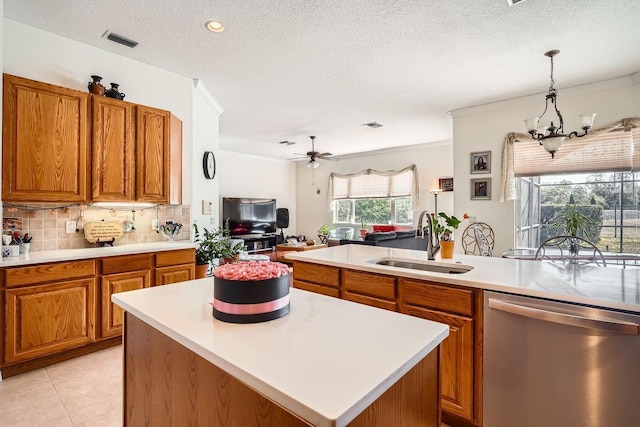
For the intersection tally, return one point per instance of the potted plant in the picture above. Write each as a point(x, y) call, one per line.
point(443, 227)
point(363, 229)
point(323, 233)
point(572, 223)
point(214, 244)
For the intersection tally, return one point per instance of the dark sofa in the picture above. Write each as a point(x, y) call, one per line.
point(391, 239)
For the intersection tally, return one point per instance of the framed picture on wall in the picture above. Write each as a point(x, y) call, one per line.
point(481, 162)
point(481, 189)
point(446, 184)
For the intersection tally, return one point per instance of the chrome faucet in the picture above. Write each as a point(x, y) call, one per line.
point(433, 246)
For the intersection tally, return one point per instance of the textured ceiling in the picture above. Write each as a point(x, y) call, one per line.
point(287, 69)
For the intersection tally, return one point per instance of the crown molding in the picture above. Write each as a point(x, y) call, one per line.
point(202, 90)
point(516, 102)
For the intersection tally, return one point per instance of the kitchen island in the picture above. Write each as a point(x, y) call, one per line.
point(327, 363)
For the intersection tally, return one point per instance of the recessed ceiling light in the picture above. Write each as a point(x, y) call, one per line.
point(214, 26)
point(374, 125)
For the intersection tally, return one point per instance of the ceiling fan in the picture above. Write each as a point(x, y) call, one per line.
point(314, 155)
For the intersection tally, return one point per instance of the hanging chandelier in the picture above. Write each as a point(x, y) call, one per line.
point(551, 137)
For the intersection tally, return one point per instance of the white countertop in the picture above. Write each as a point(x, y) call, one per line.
point(41, 257)
point(608, 287)
point(326, 361)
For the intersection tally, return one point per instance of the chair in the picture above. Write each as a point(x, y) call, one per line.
point(341, 233)
point(478, 239)
point(571, 250)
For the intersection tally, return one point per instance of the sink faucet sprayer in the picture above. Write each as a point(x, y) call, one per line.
point(433, 246)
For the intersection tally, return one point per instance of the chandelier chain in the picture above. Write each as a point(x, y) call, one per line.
point(552, 81)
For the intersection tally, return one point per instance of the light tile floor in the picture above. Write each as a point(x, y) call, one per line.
point(85, 391)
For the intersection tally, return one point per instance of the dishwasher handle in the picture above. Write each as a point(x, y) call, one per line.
point(628, 328)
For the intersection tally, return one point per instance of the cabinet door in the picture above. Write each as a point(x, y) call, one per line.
point(456, 363)
point(113, 150)
point(174, 274)
point(111, 314)
point(45, 319)
point(152, 154)
point(45, 133)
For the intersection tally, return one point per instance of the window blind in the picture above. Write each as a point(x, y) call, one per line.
point(375, 184)
point(616, 148)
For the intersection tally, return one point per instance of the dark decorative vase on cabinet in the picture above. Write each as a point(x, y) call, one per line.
point(95, 87)
point(114, 93)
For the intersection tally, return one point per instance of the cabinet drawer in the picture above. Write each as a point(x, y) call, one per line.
point(43, 273)
point(318, 289)
point(369, 284)
point(181, 256)
point(314, 273)
point(368, 300)
point(123, 264)
point(435, 296)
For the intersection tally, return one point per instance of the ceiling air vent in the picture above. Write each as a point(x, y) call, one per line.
point(119, 39)
point(512, 2)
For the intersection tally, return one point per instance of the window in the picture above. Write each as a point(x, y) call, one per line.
point(599, 174)
point(374, 197)
point(610, 199)
point(392, 210)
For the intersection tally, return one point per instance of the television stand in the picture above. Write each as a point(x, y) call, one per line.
point(258, 242)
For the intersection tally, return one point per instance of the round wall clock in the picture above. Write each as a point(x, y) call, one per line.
point(209, 165)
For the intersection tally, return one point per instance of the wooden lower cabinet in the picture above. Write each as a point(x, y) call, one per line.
point(174, 266)
point(111, 314)
point(316, 278)
point(457, 360)
point(46, 319)
point(456, 306)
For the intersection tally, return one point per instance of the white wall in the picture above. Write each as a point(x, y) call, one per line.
point(485, 127)
point(243, 175)
point(206, 114)
point(39, 55)
point(433, 161)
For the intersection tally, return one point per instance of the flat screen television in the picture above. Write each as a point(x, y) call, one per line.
point(249, 215)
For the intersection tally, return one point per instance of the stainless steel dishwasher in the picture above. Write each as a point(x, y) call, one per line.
point(555, 364)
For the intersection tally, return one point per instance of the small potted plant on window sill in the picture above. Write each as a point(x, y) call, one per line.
point(363, 229)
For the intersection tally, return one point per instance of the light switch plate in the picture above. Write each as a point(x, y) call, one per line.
point(207, 206)
point(71, 227)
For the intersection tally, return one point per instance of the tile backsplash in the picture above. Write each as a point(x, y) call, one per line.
point(46, 223)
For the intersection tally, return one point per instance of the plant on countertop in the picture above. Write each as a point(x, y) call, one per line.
point(214, 244)
point(444, 225)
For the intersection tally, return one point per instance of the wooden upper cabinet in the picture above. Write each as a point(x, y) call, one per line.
point(45, 133)
point(113, 157)
point(153, 156)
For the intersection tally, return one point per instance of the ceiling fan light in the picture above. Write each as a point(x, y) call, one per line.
point(313, 164)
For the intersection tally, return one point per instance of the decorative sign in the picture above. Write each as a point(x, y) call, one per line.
point(446, 184)
point(103, 231)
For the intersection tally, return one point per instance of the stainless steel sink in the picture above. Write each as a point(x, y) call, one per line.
point(435, 267)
